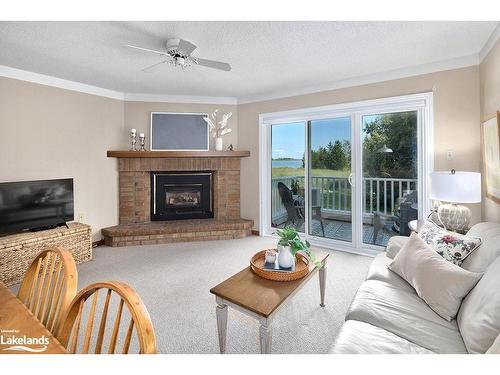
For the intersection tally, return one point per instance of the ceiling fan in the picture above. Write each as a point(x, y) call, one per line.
point(178, 53)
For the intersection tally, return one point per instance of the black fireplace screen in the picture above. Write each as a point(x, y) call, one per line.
point(181, 195)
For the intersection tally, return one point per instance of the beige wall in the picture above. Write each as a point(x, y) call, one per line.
point(456, 118)
point(138, 116)
point(490, 103)
point(48, 132)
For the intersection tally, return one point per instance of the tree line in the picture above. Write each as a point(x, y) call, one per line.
point(396, 131)
point(336, 155)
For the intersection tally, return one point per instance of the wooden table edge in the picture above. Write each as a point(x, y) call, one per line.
point(51, 337)
point(315, 269)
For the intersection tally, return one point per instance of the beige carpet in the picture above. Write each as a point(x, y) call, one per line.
point(174, 282)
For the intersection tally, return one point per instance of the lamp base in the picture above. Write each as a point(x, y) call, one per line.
point(455, 217)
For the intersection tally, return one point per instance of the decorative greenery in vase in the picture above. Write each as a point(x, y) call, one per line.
point(290, 238)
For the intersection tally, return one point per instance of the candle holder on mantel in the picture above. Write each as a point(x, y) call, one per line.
point(133, 139)
point(142, 139)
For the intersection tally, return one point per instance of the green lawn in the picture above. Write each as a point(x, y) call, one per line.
point(285, 172)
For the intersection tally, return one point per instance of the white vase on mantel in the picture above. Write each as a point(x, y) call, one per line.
point(285, 257)
point(218, 144)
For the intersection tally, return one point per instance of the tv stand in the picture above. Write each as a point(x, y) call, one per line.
point(17, 251)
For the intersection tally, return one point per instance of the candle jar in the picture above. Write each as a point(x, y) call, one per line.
point(271, 255)
point(142, 139)
point(133, 139)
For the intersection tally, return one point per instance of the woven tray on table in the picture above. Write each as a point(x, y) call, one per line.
point(301, 268)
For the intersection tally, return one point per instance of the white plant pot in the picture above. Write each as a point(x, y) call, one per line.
point(218, 144)
point(285, 257)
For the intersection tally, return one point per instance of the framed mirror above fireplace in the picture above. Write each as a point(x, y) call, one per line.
point(181, 195)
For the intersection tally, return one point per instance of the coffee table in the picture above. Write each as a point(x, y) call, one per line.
point(260, 298)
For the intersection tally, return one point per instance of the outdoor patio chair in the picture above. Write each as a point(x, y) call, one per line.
point(295, 212)
point(406, 212)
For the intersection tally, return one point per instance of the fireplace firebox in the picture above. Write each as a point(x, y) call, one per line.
point(181, 195)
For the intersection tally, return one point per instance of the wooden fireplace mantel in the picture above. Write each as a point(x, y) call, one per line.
point(178, 154)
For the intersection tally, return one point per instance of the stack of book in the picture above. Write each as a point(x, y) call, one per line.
point(276, 267)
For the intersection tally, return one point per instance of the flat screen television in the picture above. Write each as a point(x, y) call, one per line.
point(32, 205)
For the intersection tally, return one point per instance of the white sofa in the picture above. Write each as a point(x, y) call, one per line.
point(387, 316)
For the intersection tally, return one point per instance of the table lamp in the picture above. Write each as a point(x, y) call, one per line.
point(455, 187)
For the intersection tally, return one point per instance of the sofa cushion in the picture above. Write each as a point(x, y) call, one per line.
point(379, 271)
point(406, 315)
point(489, 250)
point(441, 284)
point(394, 245)
point(479, 315)
point(363, 338)
point(495, 348)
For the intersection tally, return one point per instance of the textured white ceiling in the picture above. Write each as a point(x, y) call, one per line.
point(266, 57)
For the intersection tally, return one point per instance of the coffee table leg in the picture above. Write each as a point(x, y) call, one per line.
point(221, 312)
point(322, 283)
point(265, 338)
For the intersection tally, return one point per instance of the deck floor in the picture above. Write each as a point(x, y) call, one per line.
point(342, 230)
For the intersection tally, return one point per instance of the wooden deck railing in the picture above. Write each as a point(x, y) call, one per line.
point(379, 194)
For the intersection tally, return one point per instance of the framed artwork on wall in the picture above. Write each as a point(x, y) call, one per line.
point(179, 132)
point(490, 134)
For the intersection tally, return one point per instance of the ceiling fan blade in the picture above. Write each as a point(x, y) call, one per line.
point(185, 47)
point(213, 64)
point(154, 67)
point(148, 50)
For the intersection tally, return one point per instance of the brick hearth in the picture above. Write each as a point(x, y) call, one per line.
point(176, 231)
point(135, 227)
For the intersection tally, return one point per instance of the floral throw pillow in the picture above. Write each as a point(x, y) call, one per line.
point(451, 246)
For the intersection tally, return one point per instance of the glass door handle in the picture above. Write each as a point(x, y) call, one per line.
point(350, 179)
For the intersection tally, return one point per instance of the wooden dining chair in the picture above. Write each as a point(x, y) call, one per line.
point(49, 285)
point(77, 314)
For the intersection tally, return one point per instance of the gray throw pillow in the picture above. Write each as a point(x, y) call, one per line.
point(441, 284)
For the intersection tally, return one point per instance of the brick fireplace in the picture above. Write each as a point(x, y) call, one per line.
point(136, 200)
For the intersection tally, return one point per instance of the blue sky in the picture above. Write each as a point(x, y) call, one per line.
point(288, 140)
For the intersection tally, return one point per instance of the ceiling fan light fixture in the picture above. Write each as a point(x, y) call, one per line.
point(183, 62)
point(172, 44)
point(178, 53)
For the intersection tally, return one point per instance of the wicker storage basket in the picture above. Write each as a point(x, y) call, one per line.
point(301, 268)
point(17, 251)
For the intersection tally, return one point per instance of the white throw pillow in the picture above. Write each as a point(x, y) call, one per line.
point(441, 284)
point(394, 245)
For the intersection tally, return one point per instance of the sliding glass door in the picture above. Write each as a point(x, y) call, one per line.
point(347, 176)
point(330, 190)
point(288, 147)
point(390, 175)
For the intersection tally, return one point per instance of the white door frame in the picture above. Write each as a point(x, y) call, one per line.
point(422, 103)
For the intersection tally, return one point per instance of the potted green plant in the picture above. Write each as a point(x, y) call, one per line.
point(289, 244)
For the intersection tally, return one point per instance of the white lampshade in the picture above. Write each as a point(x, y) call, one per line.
point(458, 187)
